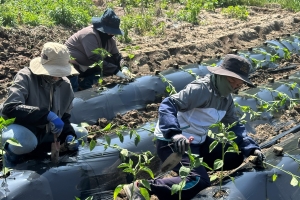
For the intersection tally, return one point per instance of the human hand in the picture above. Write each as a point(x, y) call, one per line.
point(181, 143)
point(260, 157)
point(56, 124)
point(127, 72)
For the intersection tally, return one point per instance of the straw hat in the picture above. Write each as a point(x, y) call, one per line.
point(234, 66)
point(54, 61)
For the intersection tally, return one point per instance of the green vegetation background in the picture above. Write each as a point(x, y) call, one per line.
point(77, 13)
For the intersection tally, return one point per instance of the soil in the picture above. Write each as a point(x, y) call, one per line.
point(182, 44)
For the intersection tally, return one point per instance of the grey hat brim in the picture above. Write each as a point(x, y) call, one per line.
point(109, 30)
point(224, 72)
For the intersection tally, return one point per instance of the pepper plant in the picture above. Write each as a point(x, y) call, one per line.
point(103, 54)
point(224, 137)
point(3, 124)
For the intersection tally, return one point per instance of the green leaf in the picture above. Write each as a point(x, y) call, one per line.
point(76, 198)
point(92, 144)
point(218, 164)
point(294, 181)
point(204, 164)
point(137, 139)
point(175, 188)
point(210, 134)
point(274, 177)
point(145, 193)
point(145, 184)
point(89, 198)
point(230, 149)
point(122, 165)
point(121, 137)
point(235, 146)
point(213, 177)
point(168, 89)
point(212, 146)
point(13, 142)
point(108, 139)
point(232, 179)
point(231, 135)
point(107, 127)
point(117, 190)
point(124, 152)
point(198, 162)
point(184, 171)
point(128, 170)
point(148, 170)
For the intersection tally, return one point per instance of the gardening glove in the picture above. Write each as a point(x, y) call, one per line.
point(56, 124)
point(71, 143)
point(181, 143)
point(127, 72)
point(260, 157)
point(120, 74)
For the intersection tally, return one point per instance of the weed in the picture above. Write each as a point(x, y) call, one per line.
point(239, 12)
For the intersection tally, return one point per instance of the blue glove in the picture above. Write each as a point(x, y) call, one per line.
point(181, 143)
point(71, 143)
point(56, 124)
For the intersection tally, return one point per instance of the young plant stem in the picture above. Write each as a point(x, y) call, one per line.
point(222, 168)
point(287, 172)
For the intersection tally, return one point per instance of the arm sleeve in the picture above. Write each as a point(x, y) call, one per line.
point(245, 143)
point(14, 106)
point(90, 43)
point(68, 128)
point(187, 99)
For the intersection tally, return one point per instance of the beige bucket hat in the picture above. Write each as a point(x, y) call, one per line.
point(54, 61)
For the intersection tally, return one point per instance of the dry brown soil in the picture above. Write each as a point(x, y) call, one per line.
point(182, 43)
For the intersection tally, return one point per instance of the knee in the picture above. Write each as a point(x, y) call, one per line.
point(80, 132)
point(26, 139)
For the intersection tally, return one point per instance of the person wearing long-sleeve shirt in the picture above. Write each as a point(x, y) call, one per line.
point(190, 113)
point(82, 46)
point(40, 99)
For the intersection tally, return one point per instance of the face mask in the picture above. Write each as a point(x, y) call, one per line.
point(104, 38)
point(50, 79)
point(222, 84)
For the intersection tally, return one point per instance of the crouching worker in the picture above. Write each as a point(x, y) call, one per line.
point(40, 100)
point(190, 112)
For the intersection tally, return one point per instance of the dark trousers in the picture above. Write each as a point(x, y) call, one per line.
point(87, 79)
point(198, 178)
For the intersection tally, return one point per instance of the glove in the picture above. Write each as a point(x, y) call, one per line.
point(127, 72)
point(181, 143)
point(120, 74)
point(260, 157)
point(56, 124)
point(71, 143)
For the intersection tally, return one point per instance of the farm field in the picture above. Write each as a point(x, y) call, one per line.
point(181, 43)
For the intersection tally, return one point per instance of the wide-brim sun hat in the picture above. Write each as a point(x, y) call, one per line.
point(108, 23)
point(234, 66)
point(54, 61)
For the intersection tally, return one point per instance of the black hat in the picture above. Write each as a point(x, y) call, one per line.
point(109, 23)
point(234, 66)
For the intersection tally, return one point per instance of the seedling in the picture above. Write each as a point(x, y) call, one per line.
point(103, 54)
point(169, 88)
point(191, 73)
point(224, 136)
point(3, 124)
point(195, 161)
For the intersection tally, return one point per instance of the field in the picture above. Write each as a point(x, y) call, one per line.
point(178, 42)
